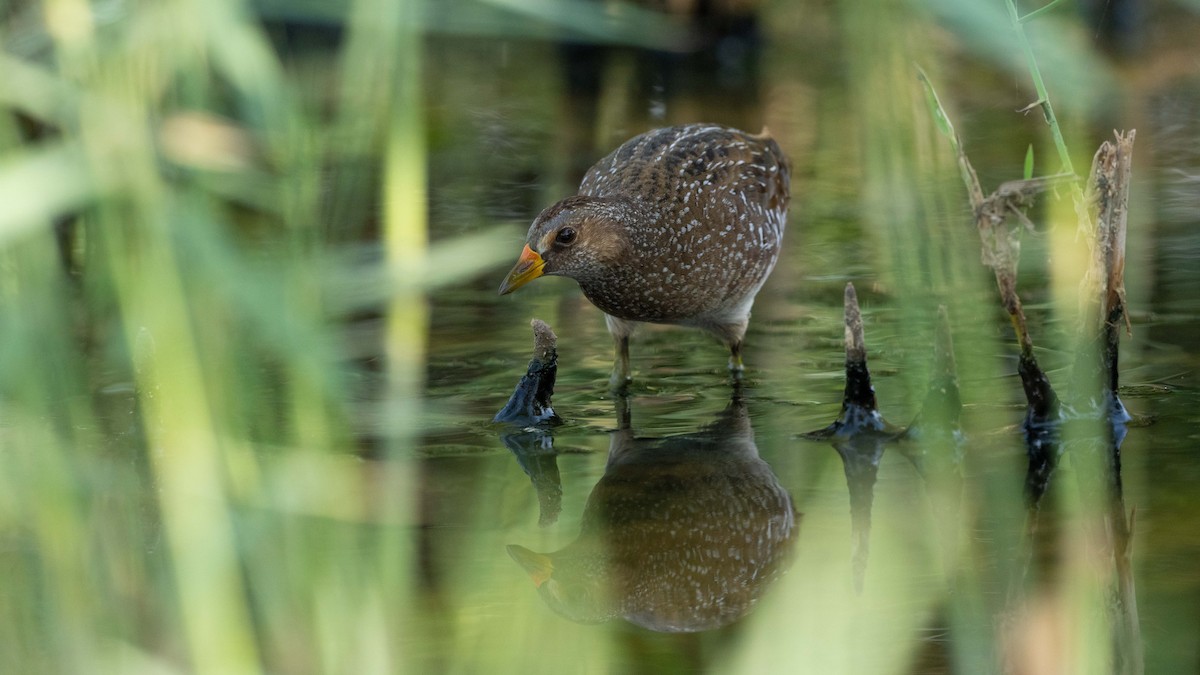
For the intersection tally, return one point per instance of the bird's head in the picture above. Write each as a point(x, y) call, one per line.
point(576, 586)
point(579, 237)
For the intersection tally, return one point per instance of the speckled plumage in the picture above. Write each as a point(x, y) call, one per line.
point(680, 225)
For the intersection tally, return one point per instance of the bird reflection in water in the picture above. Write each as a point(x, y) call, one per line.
point(681, 534)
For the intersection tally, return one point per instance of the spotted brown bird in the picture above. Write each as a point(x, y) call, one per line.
point(680, 225)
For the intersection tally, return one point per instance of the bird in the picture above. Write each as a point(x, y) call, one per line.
point(679, 225)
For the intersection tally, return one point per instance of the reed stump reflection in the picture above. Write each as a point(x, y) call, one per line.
point(681, 534)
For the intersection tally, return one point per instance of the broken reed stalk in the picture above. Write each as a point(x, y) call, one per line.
point(858, 435)
point(1103, 213)
point(530, 407)
point(1104, 291)
point(530, 402)
point(1001, 251)
point(860, 413)
point(858, 379)
point(1103, 288)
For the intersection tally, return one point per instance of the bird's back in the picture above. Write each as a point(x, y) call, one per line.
point(679, 166)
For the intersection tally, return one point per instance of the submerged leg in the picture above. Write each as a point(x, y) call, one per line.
point(622, 374)
point(735, 359)
point(731, 331)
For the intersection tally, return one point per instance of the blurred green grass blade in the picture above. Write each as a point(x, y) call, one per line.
point(940, 118)
point(455, 260)
point(187, 466)
point(576, 20)
point(182, 445)
point(983, 24)
point(366, 67)
point(311, 12)
point(37, 92)
point(622, 22)
point(356, 280)
point(40, 184)
point(1028, 173)
point(1040, 11)
point(1081, 78)
point(406, 227)
point(240, 51)
point(1035, 73)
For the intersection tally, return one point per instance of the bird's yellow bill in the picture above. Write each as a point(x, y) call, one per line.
point(538, 566)
point(529, 267)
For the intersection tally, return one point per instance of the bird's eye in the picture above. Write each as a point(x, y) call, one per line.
point(565, 236)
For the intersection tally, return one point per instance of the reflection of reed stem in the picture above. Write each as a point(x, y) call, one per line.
point(1104, 291)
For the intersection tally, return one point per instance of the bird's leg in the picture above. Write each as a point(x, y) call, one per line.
point(735, 359)
point(621, 376)
point(621, 330)
point(731, 330)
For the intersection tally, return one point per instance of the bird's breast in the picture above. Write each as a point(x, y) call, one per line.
point(678, 273)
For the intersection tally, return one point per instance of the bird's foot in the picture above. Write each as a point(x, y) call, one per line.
point(736, 367)
point(619, 382)
point(737, 370)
